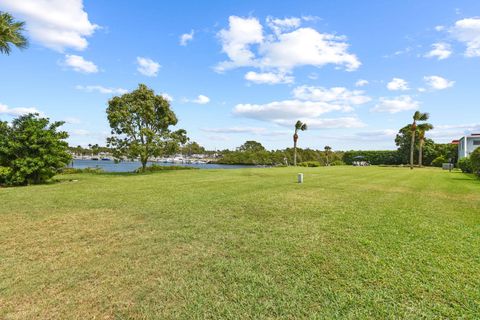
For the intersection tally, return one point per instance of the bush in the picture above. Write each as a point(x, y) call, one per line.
point(374, 157)
point(77, 170)
point(475, 161)
point(438, 161)
point(33, 149)
point(5, 173)
point(337, 163)
point(155, 168)
point(310, 164)
point(465, 165)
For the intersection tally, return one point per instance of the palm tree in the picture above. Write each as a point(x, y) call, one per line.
point(11, 33)
point(327, 152)
point(417, 116)
point(422, 128)
point(298, 126)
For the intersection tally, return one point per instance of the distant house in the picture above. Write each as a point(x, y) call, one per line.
point(467, 144)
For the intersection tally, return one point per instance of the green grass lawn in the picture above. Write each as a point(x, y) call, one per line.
point(356, 243)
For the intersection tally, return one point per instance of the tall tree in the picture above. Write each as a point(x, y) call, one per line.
point(140, 123)
point(251, 146)
point(299, 126)
point(422, 129)
point(11, 33)
point(327, 149)
point(417, 116)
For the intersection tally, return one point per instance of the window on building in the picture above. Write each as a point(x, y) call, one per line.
point(476, 142)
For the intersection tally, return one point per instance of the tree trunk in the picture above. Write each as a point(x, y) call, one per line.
point(420, 153)
point(412, 147)
point(144, 162)
point(295, 153)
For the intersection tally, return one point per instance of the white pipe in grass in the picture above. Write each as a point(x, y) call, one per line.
point(300, 178)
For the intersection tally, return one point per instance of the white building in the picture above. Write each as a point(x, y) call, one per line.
point(467, 144)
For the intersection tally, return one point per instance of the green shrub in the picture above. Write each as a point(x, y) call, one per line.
point(77, 170)
point(154, 168)
point(374, 157)
point(310, 164)
point(5, 173)
point(438, 161)
point(337, 163)
point(465, 165)
point(475, 161)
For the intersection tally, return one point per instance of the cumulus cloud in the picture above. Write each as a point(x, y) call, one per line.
point(101, 89)
point(308, 104)
point(147, 67)
point(14, 112)
point(200, 99)
point(268, 77)
point(186, 37)
point(361, 83)
point(336, 95)
point(467, 31)
point(394, 105)
point(438, 83)
point(79, 64)
point(440, 50)
point(397, 84)
point(56, 24)
point(288, 47)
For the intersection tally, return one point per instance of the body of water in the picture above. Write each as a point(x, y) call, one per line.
point(130, 166)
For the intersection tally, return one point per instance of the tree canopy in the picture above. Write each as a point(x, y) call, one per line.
point(140, 123)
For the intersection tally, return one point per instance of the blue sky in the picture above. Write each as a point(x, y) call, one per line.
point(242, 70)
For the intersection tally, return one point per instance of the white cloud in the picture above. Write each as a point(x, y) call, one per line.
point(394, 105)
point(56, 24)
point(186, 37)
point(268, 77)
point(397, 84)
point(439, 28)
point(378, 133)
point(166, 96)
point(361, 83)
point(438, 83)
point(467, 31)
point(336, 95)
point(200, 99)
point(6, 110)
point(101, 89)
point(284, 49)
point(440, 50)
point(79, 64)
point(251, 130)
point(281, 25)
point(236, 42)
point(326, 123)
point(147, 67)
point(451, 132)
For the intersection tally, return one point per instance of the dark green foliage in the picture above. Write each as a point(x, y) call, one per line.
point(375, 157)
point(310, 164)
point(32, 149)
point(140, 122)
point(403, 142)
point(155, 168)
point(5, 173)
point(438, 161)
point(465, 165)
point(475, 160)
point(337, 163)
point(251, 146)
point(192, 148)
